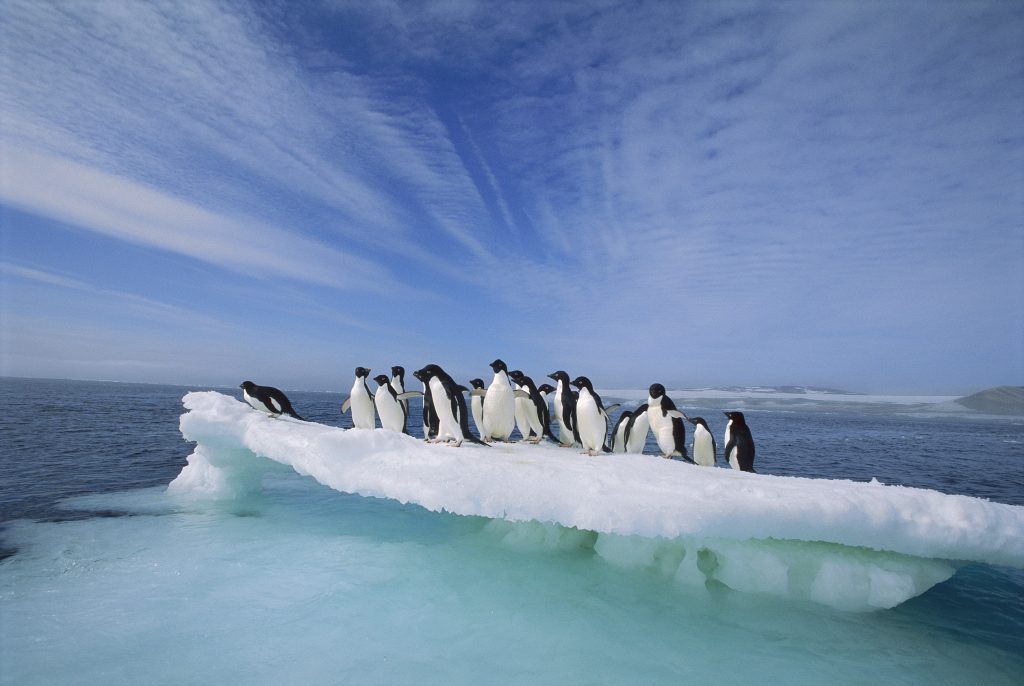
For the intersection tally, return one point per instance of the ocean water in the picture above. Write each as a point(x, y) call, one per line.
point(106, 579)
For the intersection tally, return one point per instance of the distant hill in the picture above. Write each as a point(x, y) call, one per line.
point(998, 400)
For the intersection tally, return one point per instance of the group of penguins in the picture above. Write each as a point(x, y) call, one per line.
point(513, 400)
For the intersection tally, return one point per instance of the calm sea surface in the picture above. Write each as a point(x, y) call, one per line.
point(69, 567)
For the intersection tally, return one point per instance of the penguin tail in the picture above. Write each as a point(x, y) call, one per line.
point(296, 416)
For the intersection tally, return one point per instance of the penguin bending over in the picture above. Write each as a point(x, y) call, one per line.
point(449, 405)
point(536, 411)
point(636, 430)
point(360, 401)
point(565, 409)
point(704, 447)
point(739, 444)
point(666, 423)
point(591, 418)
point(499, 405)
point(619, 432)
point(267, 399)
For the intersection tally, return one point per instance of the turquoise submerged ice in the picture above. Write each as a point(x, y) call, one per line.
point(848, 545)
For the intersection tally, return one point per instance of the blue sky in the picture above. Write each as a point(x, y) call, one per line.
point(824, 193)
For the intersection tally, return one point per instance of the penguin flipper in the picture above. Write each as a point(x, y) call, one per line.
point(675, 414)
point(408, 394)
point(612, 407)
point(346, 405)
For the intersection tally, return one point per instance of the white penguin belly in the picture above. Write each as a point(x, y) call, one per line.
point(661, 427)
point(389, 410)
point(703, 447)
point(255, 404)
point(361, 406)
point(499, 408)
point(448, 425)
point(619, 442)
point(592, 423)
point(731, 457)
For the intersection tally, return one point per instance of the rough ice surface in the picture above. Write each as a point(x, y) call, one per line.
point(849, 545)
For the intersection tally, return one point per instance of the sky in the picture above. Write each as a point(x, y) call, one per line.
point(690, 193)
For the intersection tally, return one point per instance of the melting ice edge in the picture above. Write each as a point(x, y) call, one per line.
point(850, 545)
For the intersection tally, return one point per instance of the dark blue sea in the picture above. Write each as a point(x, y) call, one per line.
point(102, 580)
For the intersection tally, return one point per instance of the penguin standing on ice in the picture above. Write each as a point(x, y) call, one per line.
point(704, 447)
point(591, 418)
point(521, 403)
point(267, 399)
point(390, 409)
point(536, 413)
point(499, 405)
point(449, 405)
point(398, 383)
point(476, 403)
point(360, 401)
point(545, 389)
point(637, 429)
point(619, 432)
point(666, 423)
point(739, 444)
point(565, 409)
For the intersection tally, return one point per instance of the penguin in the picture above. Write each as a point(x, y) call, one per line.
point(591, 418)
point(430, 424)
point(392, 412)
point(619, 432)
point(499, 405)
point(538, 418)
point(704, 447)
point(267, 399)
point(449, 405)
point(398, 383)
point(360, 401)
point(476, 403)
point(565, 409)
point(636, 430)
point(666, 423)
point(545, 389)
point(739, 444)
point(521, 403)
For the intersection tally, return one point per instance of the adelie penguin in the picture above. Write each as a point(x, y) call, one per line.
point(739, 444)
point(630, 432)
point(398, 383)
point(360, 401)
point(704, 447)
point(499, 405)
point(565, 409)
point(476, 403)
point(591, 418)
point(449, 405)
point(536, 415)
point(391, 406)
point(522, 402)
point(267, 399)
point(666, 423)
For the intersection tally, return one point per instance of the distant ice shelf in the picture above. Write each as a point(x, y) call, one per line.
point(849, 545)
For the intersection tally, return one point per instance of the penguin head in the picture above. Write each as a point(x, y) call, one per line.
point(546, 388)
point(476, 383)
point(516, 375)
point(381, 379)
point(427, 373)
point(656, 390)
point(362, 372)
point(697, 421)
point(498, 366)
point(559, 376)
point(736, 417)
point(582, 382)
point(248, 386)
point(398, 371)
